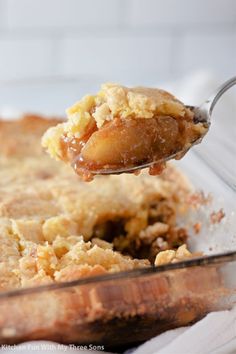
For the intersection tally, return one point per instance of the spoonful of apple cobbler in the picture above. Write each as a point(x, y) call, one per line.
point(123, 130)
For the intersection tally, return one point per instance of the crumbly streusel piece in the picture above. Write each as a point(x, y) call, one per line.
point(114, 101)
point(69, 259)
point(173, 256)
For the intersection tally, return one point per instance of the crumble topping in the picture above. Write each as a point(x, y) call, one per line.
point(217, 216)
point(114, 101)
point(68, 258)
point(172, 256)
point(197, 227)
point(55, 227)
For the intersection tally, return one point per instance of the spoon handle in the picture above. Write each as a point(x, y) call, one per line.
point(213, 99)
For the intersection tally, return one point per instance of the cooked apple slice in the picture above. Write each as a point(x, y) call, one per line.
point(130, 142)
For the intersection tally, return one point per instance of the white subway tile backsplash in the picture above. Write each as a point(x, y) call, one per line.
point(58, 14)
point(127, 59)
point(24, 58)
point(141, 41)
point(214, 52)
point(180, 12)
point(2, 13)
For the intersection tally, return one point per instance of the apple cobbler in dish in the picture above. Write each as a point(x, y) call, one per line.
point(123, 128)
point(56, 227)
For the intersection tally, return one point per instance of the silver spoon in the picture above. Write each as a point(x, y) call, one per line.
point(202, 114)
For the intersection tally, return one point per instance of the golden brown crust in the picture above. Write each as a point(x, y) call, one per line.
point(13, 135)
point(45, 208)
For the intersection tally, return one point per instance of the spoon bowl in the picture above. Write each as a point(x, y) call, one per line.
point(202, 114)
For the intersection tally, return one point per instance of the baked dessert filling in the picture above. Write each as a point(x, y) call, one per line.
point(122, 128)
point(56, 227)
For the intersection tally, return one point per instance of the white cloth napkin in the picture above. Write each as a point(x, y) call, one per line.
point(216, 333)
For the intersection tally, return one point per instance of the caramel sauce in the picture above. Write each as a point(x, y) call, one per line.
point(70, 148)
point(157, 169)
point(127, 143)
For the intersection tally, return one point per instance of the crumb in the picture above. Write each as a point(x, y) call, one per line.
point(171, 256)
point(217, 216)
point(197, 227)
point(153, 232)
point(157, 169)
point(198, 199)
